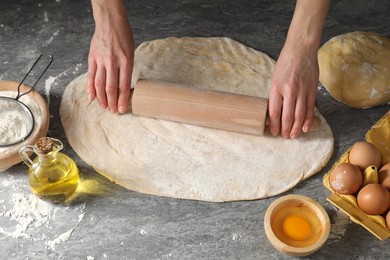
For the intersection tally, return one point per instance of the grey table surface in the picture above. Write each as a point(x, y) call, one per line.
point(107, 221)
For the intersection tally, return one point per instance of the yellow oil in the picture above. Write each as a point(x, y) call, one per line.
point(54, 178)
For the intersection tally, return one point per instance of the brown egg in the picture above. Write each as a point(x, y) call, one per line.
point(388, 219)
point(346, 178)
point(364, 154)
point(373, 199)
point(384, 175)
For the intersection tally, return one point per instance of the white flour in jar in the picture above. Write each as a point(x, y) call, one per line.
point(14, 124)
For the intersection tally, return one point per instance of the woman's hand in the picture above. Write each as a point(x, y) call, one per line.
point(295, 78)
point(293, 92)
point(111, 56)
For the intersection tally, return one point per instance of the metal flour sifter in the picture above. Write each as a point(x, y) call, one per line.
point(10, 105)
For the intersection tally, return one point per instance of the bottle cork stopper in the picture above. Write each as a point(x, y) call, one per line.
point(45, 145)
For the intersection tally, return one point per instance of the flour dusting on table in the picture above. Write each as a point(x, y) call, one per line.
point(339, 226)
point(52, 81)
point(25, 217)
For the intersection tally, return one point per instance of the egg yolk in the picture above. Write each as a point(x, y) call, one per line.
point(297, 228)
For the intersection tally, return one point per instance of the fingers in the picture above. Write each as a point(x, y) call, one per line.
point(124, 88)
point(274, 113)
point(309, 112)
point(290, 113)
point(91, 93)
point(100, 87)
point(298, 117)
point(111, 89)
point(282, 113)
point(110, 86)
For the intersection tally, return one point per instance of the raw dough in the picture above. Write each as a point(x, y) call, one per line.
point(185, 161)
point(355, 68)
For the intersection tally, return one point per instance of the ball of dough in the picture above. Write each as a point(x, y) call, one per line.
point(355, 69)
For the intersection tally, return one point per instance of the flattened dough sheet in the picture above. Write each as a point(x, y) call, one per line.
point(184, 161)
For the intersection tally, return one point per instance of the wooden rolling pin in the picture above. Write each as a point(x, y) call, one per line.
point(227, 111)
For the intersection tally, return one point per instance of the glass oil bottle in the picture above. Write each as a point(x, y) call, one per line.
point(52, 175)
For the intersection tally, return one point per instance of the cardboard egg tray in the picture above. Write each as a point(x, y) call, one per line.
point(379, 135)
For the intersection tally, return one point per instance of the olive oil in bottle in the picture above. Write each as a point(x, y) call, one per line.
point(52, 175)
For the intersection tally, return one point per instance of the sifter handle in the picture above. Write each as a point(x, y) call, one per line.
point(28, 73)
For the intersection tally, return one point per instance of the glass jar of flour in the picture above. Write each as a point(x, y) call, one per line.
point(52, 175)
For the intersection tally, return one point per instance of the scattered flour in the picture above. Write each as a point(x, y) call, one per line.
point(375, 93)
point(60, 239)
point(50, 40)
point(236, 237)
point(27, 218)
point(46, 17)
point(339, 226)
point(48, 84)
point(51, 81)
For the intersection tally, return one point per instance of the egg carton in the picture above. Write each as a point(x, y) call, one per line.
point(379, 135)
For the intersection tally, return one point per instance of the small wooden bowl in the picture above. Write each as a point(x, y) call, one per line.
point(11, 155)
point(301, 206)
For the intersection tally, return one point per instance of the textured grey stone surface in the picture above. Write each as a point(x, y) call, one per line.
point(109, 222)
